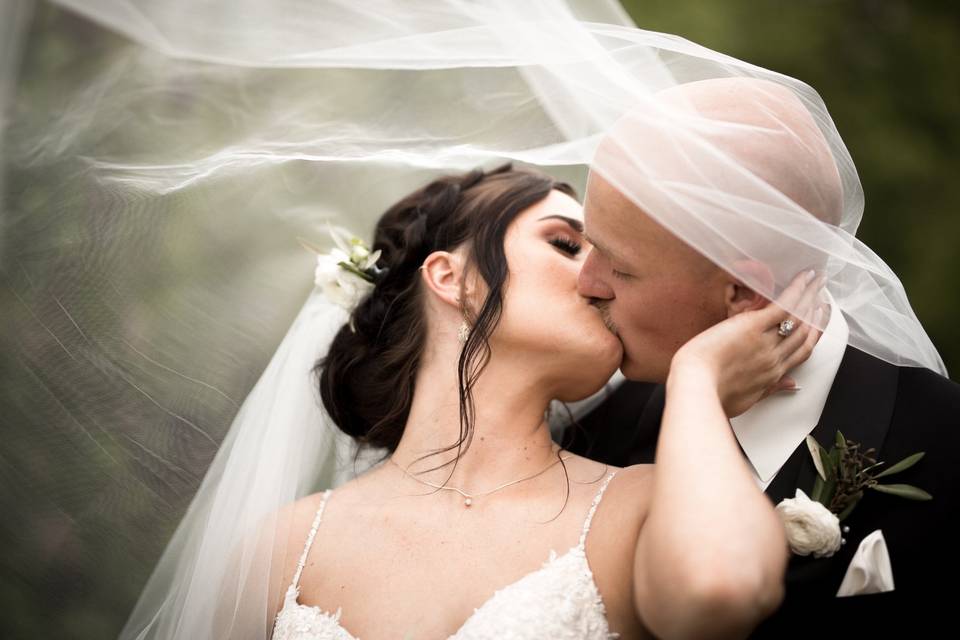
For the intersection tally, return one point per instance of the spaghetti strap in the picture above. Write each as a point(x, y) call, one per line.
point(593, 509)
point(313, 532)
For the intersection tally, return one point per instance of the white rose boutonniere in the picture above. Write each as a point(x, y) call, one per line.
point(843, 475)
point(811, 528)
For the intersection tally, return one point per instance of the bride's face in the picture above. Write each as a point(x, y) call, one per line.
point(546, 324)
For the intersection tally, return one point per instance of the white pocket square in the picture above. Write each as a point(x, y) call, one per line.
point(869, 571)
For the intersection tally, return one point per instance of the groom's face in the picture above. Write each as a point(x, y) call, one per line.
point(655, 291)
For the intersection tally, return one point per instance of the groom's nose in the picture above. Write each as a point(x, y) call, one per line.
point(591, 283)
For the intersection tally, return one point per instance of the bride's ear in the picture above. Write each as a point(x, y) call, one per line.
point(739, 296)
point(442, 273)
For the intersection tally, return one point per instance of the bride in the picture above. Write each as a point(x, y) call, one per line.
point(476, 525)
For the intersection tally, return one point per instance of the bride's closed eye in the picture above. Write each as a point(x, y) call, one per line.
point(566, 244)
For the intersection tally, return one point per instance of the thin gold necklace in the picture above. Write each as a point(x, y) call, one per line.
point(468, 497)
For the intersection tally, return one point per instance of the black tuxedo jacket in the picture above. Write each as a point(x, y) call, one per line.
point(897, 411)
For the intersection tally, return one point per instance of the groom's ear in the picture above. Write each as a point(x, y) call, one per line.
point(740, 297)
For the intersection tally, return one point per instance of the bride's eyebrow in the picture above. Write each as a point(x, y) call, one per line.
point(574, 224)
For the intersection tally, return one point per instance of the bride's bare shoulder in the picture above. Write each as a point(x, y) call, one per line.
point(293, 520)
point(283, 537)
point(296, 518)
point(291, 524)
point(619, 518)
point(636, 476)
point(629, 490)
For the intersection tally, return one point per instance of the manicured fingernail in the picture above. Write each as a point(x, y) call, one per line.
point(795, 387)
point(810, 276)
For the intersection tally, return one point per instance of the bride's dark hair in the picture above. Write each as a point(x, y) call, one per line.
point(367, 377)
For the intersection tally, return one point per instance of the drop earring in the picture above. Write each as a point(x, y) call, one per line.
point(463, 332)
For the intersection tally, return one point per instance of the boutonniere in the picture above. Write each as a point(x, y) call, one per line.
point(844, 474)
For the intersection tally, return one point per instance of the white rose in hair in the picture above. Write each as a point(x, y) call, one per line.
point(811, 527)
point(328, 268)
point(340, 286)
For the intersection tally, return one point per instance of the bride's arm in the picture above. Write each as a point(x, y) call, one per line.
point(711, 555)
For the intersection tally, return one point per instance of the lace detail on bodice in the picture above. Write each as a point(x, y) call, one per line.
point(560, 600)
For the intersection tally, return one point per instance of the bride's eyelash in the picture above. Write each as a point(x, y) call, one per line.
point(566, 244)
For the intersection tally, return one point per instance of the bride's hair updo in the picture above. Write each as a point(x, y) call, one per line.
point(367, 378)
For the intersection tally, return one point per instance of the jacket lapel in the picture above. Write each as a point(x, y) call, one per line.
point(860, 405)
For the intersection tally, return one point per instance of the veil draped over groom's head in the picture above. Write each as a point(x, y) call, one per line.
point(746, 169)
point(160, 158)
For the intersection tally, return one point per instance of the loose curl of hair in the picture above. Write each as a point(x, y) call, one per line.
point(367, 379)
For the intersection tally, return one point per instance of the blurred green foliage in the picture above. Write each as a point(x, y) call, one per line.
point(886, 70)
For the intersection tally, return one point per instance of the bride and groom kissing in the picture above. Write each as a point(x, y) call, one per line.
point(495, 293)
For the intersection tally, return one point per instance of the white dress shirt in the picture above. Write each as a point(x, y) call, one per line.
point(771, 430)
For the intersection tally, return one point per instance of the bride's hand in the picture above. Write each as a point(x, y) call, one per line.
point(745, 357)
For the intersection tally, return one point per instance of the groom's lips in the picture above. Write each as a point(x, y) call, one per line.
point(604, 308)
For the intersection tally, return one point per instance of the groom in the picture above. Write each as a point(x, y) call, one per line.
point(658, 292)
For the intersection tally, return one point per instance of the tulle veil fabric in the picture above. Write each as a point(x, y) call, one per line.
point(160, 159)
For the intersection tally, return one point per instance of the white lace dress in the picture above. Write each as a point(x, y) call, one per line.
point(560, 601)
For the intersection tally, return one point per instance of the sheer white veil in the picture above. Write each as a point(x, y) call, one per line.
point(160, 159)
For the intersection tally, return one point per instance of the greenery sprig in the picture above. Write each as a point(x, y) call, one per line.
point(845, 473)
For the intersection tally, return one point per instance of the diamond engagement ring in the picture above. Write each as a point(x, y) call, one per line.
point(786, 328)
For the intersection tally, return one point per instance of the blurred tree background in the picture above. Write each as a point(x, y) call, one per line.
point(886, 69)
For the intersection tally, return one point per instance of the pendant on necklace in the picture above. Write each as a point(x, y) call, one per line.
point(467, 501)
